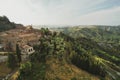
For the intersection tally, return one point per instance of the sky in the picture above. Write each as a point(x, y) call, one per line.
point(62, 12)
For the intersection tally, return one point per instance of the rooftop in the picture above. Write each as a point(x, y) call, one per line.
point(26, 46)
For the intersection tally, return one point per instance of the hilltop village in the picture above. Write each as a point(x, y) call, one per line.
point(26, 37)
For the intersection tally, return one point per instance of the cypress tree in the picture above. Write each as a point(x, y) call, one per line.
point(11, 61)
point(18, 52)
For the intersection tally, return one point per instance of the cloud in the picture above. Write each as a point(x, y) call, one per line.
point(104, 17)
point(60, 11)
point(16, 10)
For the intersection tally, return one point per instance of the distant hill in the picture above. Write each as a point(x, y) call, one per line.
point(5, 24)
point(97, 33)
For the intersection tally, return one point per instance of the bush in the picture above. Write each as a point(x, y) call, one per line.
point(74, 78)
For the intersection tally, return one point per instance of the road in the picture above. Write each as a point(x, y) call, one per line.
point(3, 58)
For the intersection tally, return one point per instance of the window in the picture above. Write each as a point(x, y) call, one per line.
point(29, 50)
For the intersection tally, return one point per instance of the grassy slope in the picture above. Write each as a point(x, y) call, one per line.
point(60, 70)
point(57, 70)
point(4, 70)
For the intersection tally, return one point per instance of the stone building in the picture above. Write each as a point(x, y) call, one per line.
point(26, 49)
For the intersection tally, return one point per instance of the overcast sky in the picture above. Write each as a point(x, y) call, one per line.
point(62, 12)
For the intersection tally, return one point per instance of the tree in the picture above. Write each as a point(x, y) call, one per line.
point(18, 52)
point(45, 31)
point(5, 24)
point(11, 61)
point(9, 48)
point(25, 71)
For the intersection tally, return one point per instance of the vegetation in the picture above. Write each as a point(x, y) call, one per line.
point(35, 69)
point(4, 70)
point(18, 52)
point(109, 34)
point(12, 63)
point(92, 45)
point(5, 24)
point(32, 71)
point(58, 50)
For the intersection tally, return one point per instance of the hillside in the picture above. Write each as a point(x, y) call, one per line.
point(98, 33)
point(73, 53)
point(61, 57)
point(49, 62)
point(102, 42)
point(60, 70)
point(5, 24)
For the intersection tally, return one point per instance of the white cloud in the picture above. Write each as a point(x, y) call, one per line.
point(57, 12)
point(15, 10)
point(105, 17)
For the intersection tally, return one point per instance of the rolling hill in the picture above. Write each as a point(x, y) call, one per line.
point(97, 33)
